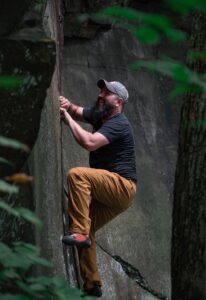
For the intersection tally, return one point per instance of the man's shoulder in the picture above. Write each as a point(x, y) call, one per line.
point(118, 124)
point(122, 120)
point(119, 118)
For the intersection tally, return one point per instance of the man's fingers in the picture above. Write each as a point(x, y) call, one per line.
point(63, 105)
point(62, 100)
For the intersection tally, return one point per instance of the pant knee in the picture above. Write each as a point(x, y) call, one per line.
point(76, 173)
point(73, 173)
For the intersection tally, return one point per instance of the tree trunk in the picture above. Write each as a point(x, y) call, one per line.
point(189, 211)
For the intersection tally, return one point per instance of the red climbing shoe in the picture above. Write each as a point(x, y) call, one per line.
point(77, 239)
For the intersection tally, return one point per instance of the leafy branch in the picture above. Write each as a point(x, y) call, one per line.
point(17, 260)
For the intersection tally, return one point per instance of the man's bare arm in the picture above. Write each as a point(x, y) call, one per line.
point(89, 141)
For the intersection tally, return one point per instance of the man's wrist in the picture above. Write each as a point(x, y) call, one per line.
point(72, 110)
point(68, 108)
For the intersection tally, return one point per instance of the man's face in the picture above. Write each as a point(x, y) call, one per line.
point(106, 100)
point(105, 105)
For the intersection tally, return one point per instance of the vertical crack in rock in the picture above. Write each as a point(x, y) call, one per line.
point(134, 274)
point(129, 270)
point(70, 255)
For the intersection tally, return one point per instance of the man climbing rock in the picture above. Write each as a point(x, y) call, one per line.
point(99, 193)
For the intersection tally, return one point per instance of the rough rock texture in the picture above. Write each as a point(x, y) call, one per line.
point(45, 164)
point(140, 236)
point(31, 56)
point(27, 54)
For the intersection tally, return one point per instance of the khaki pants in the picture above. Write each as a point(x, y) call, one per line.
point(96, 196)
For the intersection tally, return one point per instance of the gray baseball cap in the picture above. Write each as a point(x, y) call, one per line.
point(115, 87)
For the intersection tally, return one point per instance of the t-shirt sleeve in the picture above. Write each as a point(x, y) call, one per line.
point(112, 130)
point(88, 113)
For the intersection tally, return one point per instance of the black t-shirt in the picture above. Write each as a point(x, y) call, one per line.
point(119, 155)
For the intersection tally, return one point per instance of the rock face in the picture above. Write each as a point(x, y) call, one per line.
point(29, 56)
point(140, 236)
point(32, 59)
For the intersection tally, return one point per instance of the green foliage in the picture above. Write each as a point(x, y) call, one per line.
point(185, 6)
point(5, 161)
point(20, 212)
point(11, 82)
point(17, 261)
point(12, 143)
point(181, 89)
point(21, 256)
point(148, 28)
point(188, 80)
point(196, 55)
point(178, 71)
point(15, 266)
point(8, 188)
point(196, 124)
point(146, 35)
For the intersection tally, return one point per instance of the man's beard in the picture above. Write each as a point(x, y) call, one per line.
point(101, 112)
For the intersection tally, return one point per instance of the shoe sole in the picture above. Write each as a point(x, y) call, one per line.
point(95, 292)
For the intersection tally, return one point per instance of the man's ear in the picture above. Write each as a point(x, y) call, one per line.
point(119, 102)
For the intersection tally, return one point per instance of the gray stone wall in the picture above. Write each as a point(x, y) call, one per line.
point(140, 236)
point(27, 54)
point(45, 163)
point(134, 249)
